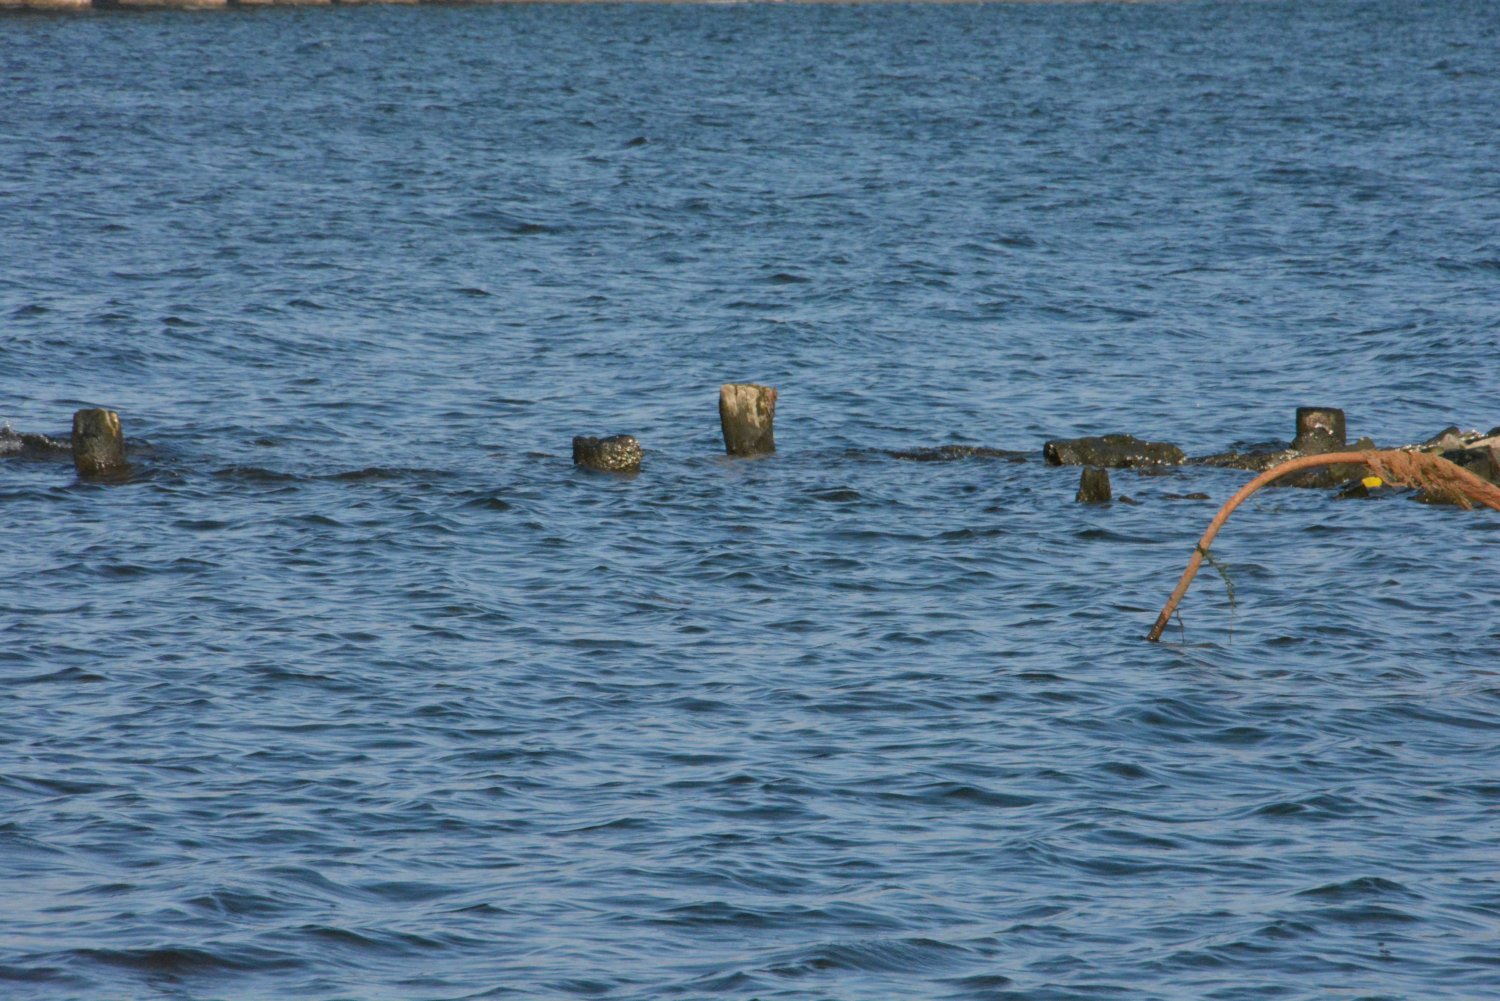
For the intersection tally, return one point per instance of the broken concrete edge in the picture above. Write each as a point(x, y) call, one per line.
point(955, 452)
point(1111, 451)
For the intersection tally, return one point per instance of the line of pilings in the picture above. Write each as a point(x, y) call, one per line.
point(747, 416)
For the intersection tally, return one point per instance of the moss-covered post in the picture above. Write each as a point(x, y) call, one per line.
point(1319, 430)
point(98, 444)
point(746, 414)
point(1093, 486)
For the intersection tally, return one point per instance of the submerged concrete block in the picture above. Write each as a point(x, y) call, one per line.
point(619, 454)
point(1093, 486)
point(953, 453)
point(747, 413)
point(98, 443)
point(1112, 451)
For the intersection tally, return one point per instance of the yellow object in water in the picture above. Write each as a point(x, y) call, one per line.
point(1371, 482)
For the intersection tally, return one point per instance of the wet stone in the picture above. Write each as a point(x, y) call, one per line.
point(31, 446)
point(1328, 477)
point(618, 454)
point(1112, 451)
point(1483, 462)
point(953, 453)
point(1256, 458)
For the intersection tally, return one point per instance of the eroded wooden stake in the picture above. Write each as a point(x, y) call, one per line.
point(98, 443)
point(1320, 429)
point(747, 413)
point(1093, 486)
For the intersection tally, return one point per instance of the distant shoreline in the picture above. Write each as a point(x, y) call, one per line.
point(50, 6)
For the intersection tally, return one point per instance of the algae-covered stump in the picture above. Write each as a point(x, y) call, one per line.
point(1319, 430)
point(98, 443)
point(747, 413)
point(1093, 486)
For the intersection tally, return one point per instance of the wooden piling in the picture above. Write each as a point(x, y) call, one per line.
point(1319, 430)
point(98, 443)
point(747, 413)
point(1093, 486)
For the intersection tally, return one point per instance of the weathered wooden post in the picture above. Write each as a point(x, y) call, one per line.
point(98, 444)
point(747, 413)
point(1093, 486)
point(1319, 430)
point(619, 454)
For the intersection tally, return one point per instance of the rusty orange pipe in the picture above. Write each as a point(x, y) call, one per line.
point(1482, 491)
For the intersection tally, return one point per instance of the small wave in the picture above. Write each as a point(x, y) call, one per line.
point(255, 474)
point(1369, 914)
point(186, 960)
point(901, 955)
point(1365, 887)
point(505, 222)
point(1320, 807)
point(239, 903)
point(370, 473)
point(836, 494)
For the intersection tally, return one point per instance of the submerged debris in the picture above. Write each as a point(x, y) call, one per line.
point(1093, 486)
point(1112, 451)
point(31, 446)
point(618, 454)
point(953, 453)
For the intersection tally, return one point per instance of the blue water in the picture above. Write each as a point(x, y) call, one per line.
point(356, 688)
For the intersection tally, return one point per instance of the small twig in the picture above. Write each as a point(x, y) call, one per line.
point(1223, 572)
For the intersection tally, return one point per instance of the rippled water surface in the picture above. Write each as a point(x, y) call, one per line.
point(356, 688)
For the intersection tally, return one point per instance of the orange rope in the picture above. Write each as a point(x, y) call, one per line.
point(1413, 469)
